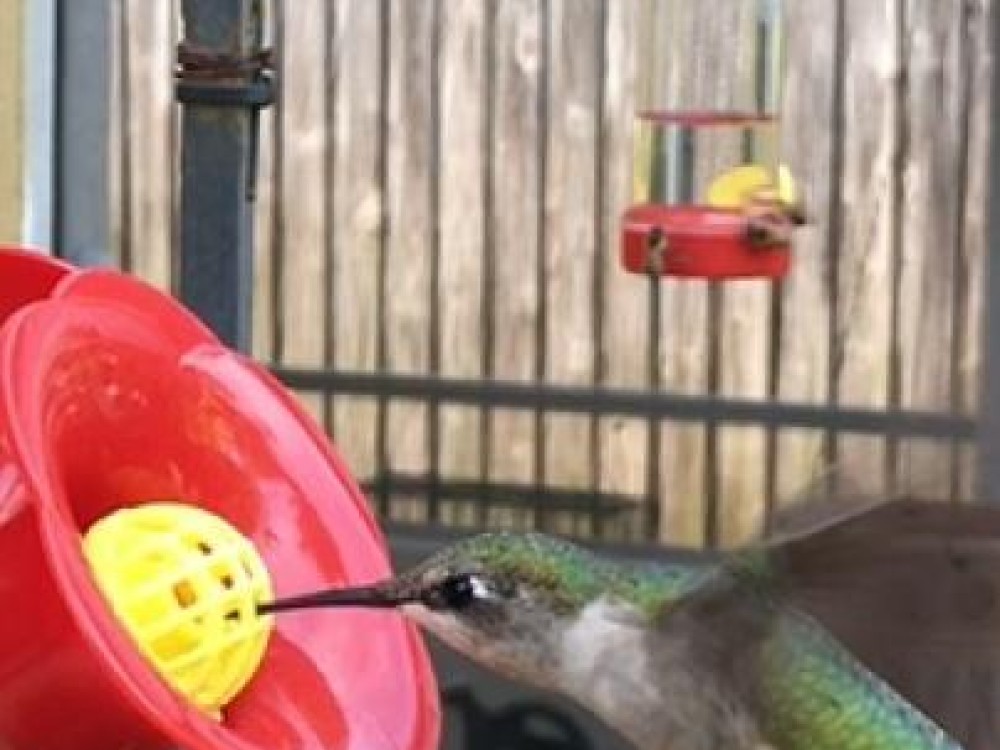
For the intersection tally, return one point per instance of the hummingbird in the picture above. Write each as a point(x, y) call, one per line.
point(876, 628)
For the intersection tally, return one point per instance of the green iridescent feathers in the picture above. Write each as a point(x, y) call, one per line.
point(810, 692)
point(815, 696)
point(567, 574)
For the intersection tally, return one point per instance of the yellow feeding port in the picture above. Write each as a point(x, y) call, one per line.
point(185, 585)
point(739, 186)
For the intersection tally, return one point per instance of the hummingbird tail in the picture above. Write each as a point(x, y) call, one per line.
point(909, 588)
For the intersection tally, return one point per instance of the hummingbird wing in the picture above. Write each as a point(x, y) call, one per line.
point(912, 589)
point(814, 695)
point(771, 662)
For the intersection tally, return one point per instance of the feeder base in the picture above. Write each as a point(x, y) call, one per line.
point(697, 242)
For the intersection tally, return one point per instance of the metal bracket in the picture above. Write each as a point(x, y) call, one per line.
point(209, 78)
point(772, 223)
point(223, 79)
point(657, 245)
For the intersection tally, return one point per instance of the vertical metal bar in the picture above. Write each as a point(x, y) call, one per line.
point(82, 214)
point(957, 391)
point(434, 323)
point(123, 116)
point(898, 190)
point(489, 248)
point(39, 126)
point(836, 211)
point(988, 458)
point(598, 289)
point(541, 519)
point(333, 76)
point(768, 78)
point(770, 53)
point(276, 242)
point(217, 159)
point(383, 497)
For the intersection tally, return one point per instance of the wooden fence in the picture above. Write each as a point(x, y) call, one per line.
point(440, 191)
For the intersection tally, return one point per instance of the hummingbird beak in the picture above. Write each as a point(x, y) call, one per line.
point(386, 595)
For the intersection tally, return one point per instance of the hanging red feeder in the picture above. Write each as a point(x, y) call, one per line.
point(742, 228)
point(699, 242)
point(711, 198)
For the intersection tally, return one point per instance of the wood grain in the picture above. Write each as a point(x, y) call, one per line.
point(624, 355)
point(570, 242)
point(356, 221)
point(864, 293)
point(811, 139)
point(305, 253)
point(934, 48)
point(460, 292)
point(744, 306)
point(972, 237)
point(684, 346)
point(151, 160)
point(408, 252)
point(516, 219)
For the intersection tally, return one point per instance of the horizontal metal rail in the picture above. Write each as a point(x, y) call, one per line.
point(633, 403)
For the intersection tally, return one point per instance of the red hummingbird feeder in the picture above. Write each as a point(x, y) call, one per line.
point(113, 395)
point(711, 200)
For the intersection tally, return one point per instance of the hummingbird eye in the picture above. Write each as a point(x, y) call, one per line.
point(458, 591)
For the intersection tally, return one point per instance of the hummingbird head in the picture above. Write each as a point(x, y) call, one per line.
point(503, 600)
point(506, 600)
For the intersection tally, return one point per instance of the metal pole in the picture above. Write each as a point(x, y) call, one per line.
point(81, 213)
point(988, 458)
point(39, 131)
point(223, 83)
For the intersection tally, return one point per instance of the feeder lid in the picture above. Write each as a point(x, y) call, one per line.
point(696, 118)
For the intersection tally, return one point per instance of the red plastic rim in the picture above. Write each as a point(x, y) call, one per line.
point(702, 242)
point(707, 118)
point(28, 275)
point(113, 395)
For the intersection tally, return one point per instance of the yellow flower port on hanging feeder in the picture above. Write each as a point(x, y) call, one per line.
point(738, 187)
point(185, 585)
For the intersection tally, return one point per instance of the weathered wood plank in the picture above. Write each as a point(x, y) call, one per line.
point(973, 237)
point(12, 120)
point(683, 463)
point(149, 89)
point(408, 253)
point(714, 329)
point(810, 138)
point(357, 213)
point(267, 219)
point(516, 201)
point(264, 308)
point(744, 306)
point(933, 46)
point(462, 221)
point(304, 247)
point(865, 281)
point(624, 354)
point(741, 467)
point(570, 197)
point(667, 81)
